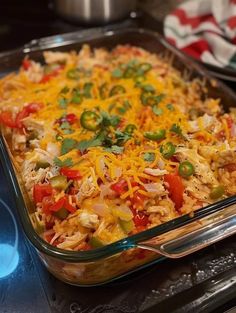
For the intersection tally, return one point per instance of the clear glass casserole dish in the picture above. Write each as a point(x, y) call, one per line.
point(173, 239)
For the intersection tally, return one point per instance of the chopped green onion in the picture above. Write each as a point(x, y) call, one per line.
point(67, 145)
point(62, 102)
point(157, 111)
point(117, 73)
point(67, 162)
point(149, 156)
point(77, 99)
point(176, 129)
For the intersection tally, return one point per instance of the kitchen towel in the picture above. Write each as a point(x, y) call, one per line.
point(205, 30)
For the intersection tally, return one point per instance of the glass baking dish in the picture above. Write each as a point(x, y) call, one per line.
point(173, 239)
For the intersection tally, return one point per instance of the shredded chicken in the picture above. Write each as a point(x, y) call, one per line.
point(155, 172)
point(202, 167)
point(88, 220)
point(35, 72)
point(56, 57)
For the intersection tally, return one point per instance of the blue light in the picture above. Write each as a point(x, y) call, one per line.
point(9, 259)
point(9, 256)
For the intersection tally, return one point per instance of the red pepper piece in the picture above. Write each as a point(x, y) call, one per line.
point(26, 111)
point(69, 207)
point(41, 191)
point(47, 202)
point(62, 203)
point(47, 77)
point(6, 118)
point(120, 187)
point(71, 118)
point(176, 189)
point(140, 219)
point(58, 205)
point(230, 122)
point(26, 64)
point(138, 199)
point(70, 173)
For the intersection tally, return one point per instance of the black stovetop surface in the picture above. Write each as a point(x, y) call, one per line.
point(203, 282)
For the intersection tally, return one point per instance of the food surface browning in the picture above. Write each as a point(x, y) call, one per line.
point(110, 143)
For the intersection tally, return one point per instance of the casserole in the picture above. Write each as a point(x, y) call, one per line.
point(116, 259)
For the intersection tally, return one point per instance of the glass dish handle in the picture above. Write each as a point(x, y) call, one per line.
point(60, 39)
point(197, 235)
point(68, 38)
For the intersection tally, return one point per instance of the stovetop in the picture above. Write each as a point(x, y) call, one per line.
point(203, 282)
point(21, 22)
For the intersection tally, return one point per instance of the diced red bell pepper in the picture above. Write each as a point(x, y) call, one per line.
point(26, 111)
point(69, 207)
point(230, 122)
point(47, 77)
point(26, 63)
point(73, 191)
point(140, 228)
point(140, 219)
point(6, 118)
point(221, 135)
point(47, 202)
point(70, 173)
point(57, 205)
point(120, 187)
point(62, 203)
point(176, 189)
point(50, 223)
point(48, 238)
point(138, 199)
point(40, 191)
point(86, 247)
point(71, 118)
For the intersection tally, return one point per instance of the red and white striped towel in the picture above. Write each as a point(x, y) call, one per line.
point(205, 29)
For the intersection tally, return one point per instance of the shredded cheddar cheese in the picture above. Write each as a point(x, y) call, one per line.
point(111, 143)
